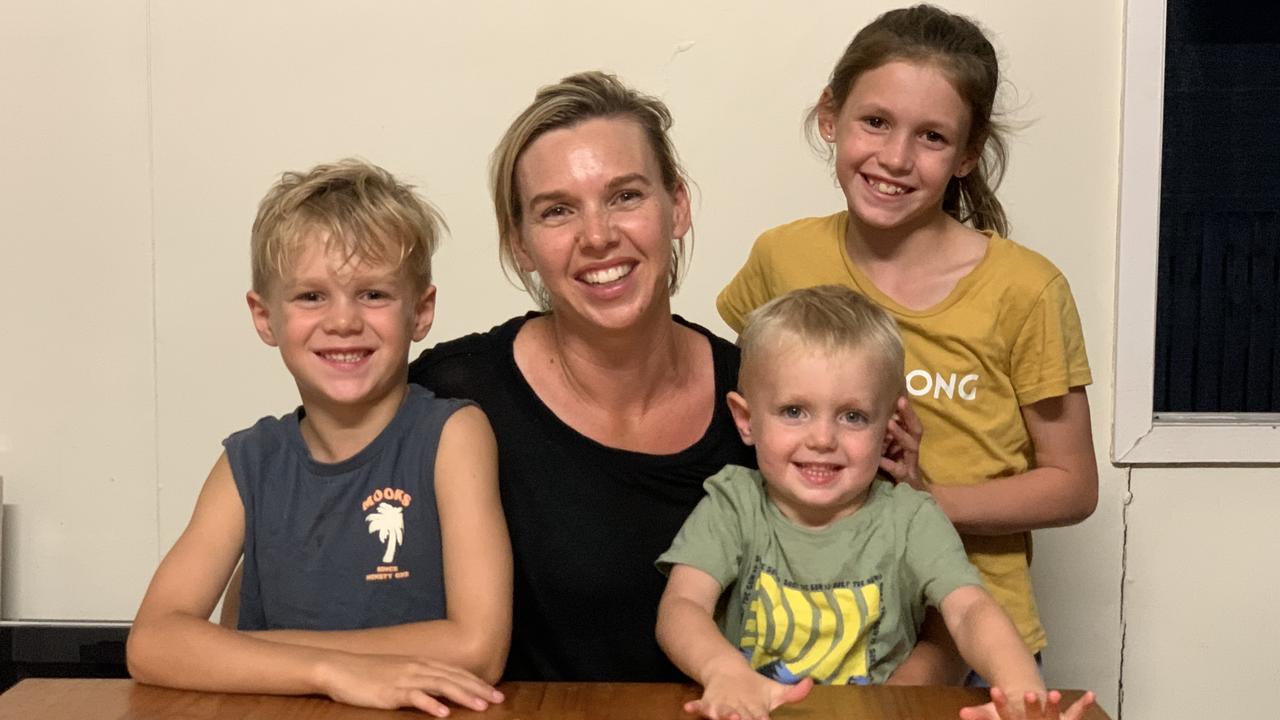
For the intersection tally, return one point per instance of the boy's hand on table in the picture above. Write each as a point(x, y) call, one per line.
point(902, 446)
point(1031, 707)
point(390, 681)
point(744, 694)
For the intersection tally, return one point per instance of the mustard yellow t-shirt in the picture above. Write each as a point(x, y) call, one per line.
point(1008, 335)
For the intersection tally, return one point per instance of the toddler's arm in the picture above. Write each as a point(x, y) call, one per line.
point(173, 643)
point(989, 642)
point(1062, 488)
point(476, 633)
point(688, 634)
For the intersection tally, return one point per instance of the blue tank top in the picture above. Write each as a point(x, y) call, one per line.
point(348, 545)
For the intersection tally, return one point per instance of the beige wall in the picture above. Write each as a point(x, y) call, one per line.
point(136, 138)
point(1200, 593)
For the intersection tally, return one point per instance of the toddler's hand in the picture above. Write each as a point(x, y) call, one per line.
point(1030, 707)
point(902, 446)
point(391, 681)
point(745, 695)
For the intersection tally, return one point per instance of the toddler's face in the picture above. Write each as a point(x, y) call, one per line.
point(817, 421)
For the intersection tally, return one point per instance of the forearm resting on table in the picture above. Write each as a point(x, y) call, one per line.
point(178, 650)
point(478, 650)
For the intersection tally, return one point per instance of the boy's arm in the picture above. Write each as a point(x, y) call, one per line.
point(1062, 488)
point(173, 643)
point(688, 635)
point(477, 566)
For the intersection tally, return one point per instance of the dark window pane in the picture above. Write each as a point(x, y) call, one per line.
point(1218, 288)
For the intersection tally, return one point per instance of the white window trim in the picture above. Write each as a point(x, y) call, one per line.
point(1138, 437)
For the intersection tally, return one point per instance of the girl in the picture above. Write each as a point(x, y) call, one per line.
point(996, 361)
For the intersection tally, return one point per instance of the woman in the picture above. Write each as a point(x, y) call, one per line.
point(608, 409)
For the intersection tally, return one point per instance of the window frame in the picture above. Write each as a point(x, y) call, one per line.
point(1139, 435)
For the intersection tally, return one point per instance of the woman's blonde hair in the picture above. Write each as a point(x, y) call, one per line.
point(358, 208)
point(575, 99)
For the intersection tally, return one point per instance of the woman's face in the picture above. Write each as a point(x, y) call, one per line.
point(598, 225)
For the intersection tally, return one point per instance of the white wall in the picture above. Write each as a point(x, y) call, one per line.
point(136, 138)
point(1201, 590)
point(77, 370)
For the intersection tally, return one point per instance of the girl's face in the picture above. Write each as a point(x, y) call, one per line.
point(598, 224)
point(899, 139)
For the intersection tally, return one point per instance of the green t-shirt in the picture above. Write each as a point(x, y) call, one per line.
point(842, 604)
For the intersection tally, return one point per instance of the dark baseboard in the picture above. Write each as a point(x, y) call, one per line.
point(61, 651)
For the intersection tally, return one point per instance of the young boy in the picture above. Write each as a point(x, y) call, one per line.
point(377, 569)
point(828, 568)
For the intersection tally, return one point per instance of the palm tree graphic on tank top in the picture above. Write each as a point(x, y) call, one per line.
point(388, 522)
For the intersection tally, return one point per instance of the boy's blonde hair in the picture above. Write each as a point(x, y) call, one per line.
point(358, 209)
point(830, 318)
point(577, 99)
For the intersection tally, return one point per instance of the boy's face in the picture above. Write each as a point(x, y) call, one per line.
point(817, 421)
point(343, 329)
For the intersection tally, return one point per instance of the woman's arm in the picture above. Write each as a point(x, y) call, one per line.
point(476, 632)
point(1062, 488)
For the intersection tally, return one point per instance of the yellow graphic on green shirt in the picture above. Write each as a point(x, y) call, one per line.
point(821, 631)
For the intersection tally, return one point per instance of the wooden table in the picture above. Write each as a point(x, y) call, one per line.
point(127, 700)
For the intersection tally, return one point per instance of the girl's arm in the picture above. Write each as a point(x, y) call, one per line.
point(689, 636)
point(173, 643)
point(1062, 488)
point(476, 633)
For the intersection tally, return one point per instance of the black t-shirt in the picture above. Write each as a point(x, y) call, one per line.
point(587, 521)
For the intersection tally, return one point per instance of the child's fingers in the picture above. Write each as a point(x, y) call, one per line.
point(701, 708)
point(1052, 703)
point(1000, 703)
point(793, 693)
point(910, 420)
point(1079, 707)
point(465, 690)
point(979, 712)
point(902, 436)
point(891, 466)
point(427, 704)
point(709, 710)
